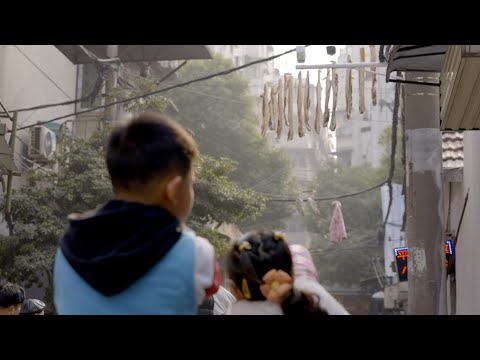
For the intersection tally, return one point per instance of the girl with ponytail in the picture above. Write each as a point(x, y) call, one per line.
point(261, 270)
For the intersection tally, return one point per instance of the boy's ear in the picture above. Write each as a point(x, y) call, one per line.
point(173, 188)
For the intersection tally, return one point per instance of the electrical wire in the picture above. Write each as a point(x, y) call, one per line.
point(204, 78)
point(336, 196)
point(43, 72)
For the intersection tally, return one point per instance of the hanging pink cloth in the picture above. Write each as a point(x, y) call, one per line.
point(337, 226)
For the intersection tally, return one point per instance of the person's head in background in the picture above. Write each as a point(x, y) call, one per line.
point(150, 161)
point(253, 257)
point(33, 307)
point(11, 298)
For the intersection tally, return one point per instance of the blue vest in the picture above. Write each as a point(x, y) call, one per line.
point(166, 289)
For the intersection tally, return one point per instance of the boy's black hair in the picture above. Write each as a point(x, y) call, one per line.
point(149, 145)
point(264, 253)
point(11, 294)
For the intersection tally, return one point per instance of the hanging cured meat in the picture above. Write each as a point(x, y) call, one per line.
point(290, 108)
point(307, 102)
point(313, 206)
point(333, 121)
point(265, 110)
point(285, 99)
point(348, 90)
point(299, 206)
point(318, 109)
point(326, 114)
point(361, 83)
point(273, 107)
point(300, 106)
point(281, 111)
point(373, 58)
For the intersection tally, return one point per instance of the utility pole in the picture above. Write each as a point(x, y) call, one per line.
point(424, 225)
point(111, 84)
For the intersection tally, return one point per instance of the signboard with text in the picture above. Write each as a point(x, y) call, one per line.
point(401, 259)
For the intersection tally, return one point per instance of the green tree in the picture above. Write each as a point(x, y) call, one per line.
point(221, 114)
point(352, 261)
point(40, 209)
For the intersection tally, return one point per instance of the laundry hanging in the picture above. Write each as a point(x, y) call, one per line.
point(318, 109)
point(333, 121)
point(338, 232)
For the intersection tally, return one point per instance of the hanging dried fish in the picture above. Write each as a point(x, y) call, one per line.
point(318, 110)
point(281, 110)
point(348, 90)
point(285, 99)
point(307, 102)
point(265, 110)
point(313, 206)
point(326, 114)
point(290, 108)
point(333, 121)
point(373, 58)
point(361, 83)
point(299, 206)
point(301, 131)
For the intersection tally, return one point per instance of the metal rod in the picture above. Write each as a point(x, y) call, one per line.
point(342, 66)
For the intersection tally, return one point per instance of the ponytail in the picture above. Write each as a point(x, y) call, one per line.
point(299, 303)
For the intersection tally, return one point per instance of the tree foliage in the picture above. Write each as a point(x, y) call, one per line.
point(352, 261)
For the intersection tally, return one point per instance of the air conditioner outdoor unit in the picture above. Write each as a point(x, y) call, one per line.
point(43, 144)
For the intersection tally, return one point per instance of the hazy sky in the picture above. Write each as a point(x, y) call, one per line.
point(315, 54)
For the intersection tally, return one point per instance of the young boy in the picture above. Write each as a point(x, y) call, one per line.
point(134, 255)
point(12, 297)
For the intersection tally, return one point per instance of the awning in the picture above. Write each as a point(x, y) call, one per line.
point(415, 58)
point(135, 53)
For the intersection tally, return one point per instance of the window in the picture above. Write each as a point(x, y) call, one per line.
point(88, 79)
point(365, 129)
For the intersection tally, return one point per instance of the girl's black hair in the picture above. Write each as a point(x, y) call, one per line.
point(253, 256)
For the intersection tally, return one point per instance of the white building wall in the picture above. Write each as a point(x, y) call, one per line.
point(468, 246)
point(33, 75)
